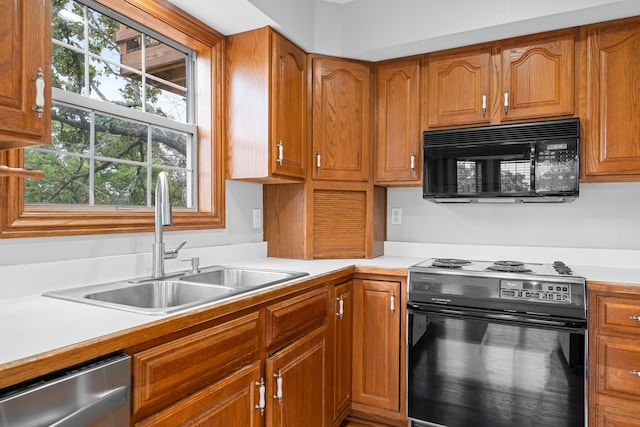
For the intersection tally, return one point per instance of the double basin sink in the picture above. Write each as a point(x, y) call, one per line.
point(178, 291)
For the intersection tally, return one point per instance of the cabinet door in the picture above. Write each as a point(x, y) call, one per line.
point(25, 50)
point(342, 333)
point(398, 142)
point(230, 402)
point(376, 343)
point(341, 119)
point(296, 383)
point(612, 137)
point(538, 76)
point(459, 87)
point(289, 106)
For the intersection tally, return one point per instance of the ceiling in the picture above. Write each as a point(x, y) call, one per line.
point(381, 29)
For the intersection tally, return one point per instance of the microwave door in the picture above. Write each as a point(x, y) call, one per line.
point(475, 171)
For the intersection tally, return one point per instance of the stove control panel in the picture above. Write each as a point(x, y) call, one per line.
point(536, 291)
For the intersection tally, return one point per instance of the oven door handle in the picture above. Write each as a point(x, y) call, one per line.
point(548, 322)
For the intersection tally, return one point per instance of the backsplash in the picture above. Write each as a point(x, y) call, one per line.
point(605, 216)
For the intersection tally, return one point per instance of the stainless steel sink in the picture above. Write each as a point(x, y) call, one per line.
point(161, 295)
point(240, 277)
point(181, 291)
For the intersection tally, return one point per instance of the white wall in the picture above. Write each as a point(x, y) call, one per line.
point(241, 199)
point(605, 216)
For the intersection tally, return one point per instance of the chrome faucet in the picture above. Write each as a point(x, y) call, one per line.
point(162, 218)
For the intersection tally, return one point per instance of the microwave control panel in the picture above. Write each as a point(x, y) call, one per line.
point(561, 152)
point(546, 292)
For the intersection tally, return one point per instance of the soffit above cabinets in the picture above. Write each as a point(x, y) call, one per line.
point(374, 30)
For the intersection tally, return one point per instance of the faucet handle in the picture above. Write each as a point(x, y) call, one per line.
point(173, 253)
point(195, 264)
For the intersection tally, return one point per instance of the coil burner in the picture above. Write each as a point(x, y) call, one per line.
point(509, 267)
point(449, 262)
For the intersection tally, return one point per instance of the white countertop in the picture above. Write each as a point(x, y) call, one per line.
point(31, 324)
point(35, 324)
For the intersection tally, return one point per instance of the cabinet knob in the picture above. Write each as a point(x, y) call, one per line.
point(634, 372)
point(39, 80)
point(634, 318)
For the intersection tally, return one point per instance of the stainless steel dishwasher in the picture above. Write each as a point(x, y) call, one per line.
point(96, 393)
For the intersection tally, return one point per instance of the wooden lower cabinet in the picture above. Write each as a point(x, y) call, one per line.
point(170, 372)
point(342, 351)
point(230, 402)
point(296, 383)
point(611, 417)
point(614, 352)
point(378, 379)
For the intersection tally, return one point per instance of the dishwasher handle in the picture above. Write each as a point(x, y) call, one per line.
point(104, 404)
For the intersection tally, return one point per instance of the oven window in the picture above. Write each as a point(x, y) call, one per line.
point(515, 176)
point(466, 372)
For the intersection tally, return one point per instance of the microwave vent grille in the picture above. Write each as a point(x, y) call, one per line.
point(547, 130)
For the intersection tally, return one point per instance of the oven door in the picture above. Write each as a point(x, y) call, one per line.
point(476, 368)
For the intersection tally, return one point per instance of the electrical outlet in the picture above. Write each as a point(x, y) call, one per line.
point(396, 216)
point(257, 218)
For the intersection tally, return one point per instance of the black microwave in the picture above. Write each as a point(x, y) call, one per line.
point(522, 162)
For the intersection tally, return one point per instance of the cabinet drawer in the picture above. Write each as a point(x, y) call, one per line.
point(169, 372)
point(619, 314)
point(618, 367)
point(294, 317)
point(229, 402)
point(612, 417)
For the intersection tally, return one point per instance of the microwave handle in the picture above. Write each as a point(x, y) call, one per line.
point(533, 156)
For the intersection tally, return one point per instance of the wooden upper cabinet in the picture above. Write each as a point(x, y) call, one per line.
point(341, 119)
point(538, 76)
point(25, 54)
point(398, 149)
point(459, 87)
point(611, 140)
point(266, 95)
point(523, 78)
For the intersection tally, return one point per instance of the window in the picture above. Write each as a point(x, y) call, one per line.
point(130, 99)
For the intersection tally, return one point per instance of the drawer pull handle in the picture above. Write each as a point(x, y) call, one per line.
point(280, 158)
point(634, 372)
point(484, 102)
point(340, 312)
point(39, 80)
point(393, 303)
point(634, 318)
point(506, 101)
point(261, 402)
point(278, 394)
